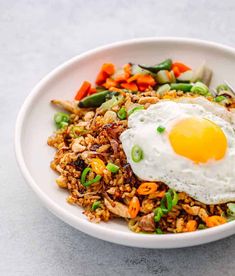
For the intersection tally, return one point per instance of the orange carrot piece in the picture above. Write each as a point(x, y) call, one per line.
point(182, 67)
point(134, 207)
point(191, 226)
point(115, 89)
point(101, 77)
point(108, 68)
point(215, 221)
point(147, 188)
point(147, 80)
point(110, 83)
point(120, 78)
point(176, 71)
point(127, 70)
point(83, 91)
point(92, 90)
point(142, 87)
point(129, 86)
point(133, 78)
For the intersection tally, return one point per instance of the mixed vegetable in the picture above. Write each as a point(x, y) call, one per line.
point(108, 92)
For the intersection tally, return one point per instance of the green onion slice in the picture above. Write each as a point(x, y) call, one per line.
point(161, 129)
point(95, 205)
point(158, 214)
point(122, 113)
point(219, 99)
point(137, 154)
point(112, 167)
point(61, 119)
point(159, 231)
point(137, 108)
point(88, 183)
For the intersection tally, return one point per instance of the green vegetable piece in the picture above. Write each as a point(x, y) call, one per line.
point(159, 231)
point(95, 205)
point(163, 89)
point(137, 108)
point(201, 226)
point(222, 87)
point(137, 154)
point(109, 103)
point(61, 119)
point(165, 65)
point(186, 76)
point(94, 100)
point(231, 207)
point(175, 198)
point(88, 183)
point(200, 88)
point(185, 87)
point(158, 214)
point(84, 174)
point(96, 179)
point(161, 129)
point(219, 99)
point(164, 76)
point(112, 168)
point(122, 114)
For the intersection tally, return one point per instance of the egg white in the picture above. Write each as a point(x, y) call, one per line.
point(210, 183)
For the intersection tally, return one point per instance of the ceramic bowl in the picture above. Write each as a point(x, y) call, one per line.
point(35, 124)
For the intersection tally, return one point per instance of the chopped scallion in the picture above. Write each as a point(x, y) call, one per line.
point(112, 167)
point(137, 154)
point(161, 129)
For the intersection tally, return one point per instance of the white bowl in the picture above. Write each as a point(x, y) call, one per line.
point(35, 124)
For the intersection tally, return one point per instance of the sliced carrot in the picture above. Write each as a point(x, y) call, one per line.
point(182, 67)
point(133, 78)
point(176, 71)
point(83, 91)
point(115, 89)
point(109, 83)
point(215, 221)
point(191, 226)
point(97, 166)
point(134, 207)
point(127, 69)
point(129, 86)
point(120, 78)
point(108, 68)
point(142, 87)
point(147, 188)
point(147, 80)
point(101, 78)
point(92, 90)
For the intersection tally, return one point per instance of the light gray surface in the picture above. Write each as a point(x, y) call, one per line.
point(36, 36)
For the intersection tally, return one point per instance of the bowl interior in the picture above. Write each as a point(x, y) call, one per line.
point(35, 123)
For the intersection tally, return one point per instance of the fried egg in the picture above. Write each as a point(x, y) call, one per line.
point(193, 153)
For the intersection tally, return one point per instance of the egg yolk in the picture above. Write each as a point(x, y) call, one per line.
point(198, 139)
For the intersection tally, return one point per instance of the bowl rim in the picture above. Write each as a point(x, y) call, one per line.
point(103, 232)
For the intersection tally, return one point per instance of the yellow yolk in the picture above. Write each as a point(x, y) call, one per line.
point(198, 139)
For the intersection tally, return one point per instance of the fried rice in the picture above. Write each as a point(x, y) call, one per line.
point(99, 138)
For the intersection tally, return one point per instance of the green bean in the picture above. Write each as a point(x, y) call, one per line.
point(185, 87)
point(165, 65)
point(94, 100)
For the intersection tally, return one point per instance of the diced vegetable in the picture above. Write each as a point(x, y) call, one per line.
point(95, 205)
point(109, 104)
point(201, 226)
point(134, 207)
point(219, 99)
point(182, 67)
point(90, 182)
point(165, 76)
point(215, 221)
point(109, 83)
point(163, 89)
point(191, 225)
point(136, 108)
point(200, 88)
point(106, 71)
point(137, 153)
point(76, 131)
point(158, 214)
point(165, 65)
point(94, 100)
point(159, 231)
point(231, 207)
point(129, 86)
point(112, 168)
point(203, 74)
point(186, 76)
point(61, 119)
point(222, 87)
point(147, 188)
point(83, 91)
point(122, 114)
point(176, 71)
point(185, 87)
point(160, 129)
point(146, 80)
point(97, 166)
